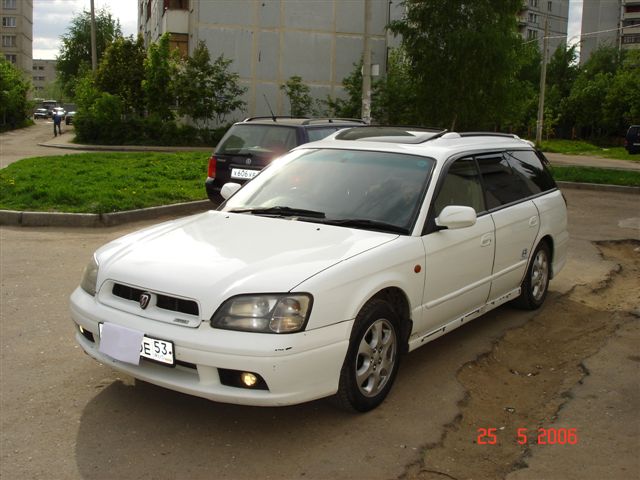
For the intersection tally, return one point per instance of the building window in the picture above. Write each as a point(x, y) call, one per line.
point(631, 39)
point(632, 9)
point(8, 21)
point(11, 58)
point(148, 9)
point(176, 4)
point(9, 4)
point(533, 18)
point(549, 6)
point(179, 41)
point(532, 34)
point(9, 40)
point(533, 3)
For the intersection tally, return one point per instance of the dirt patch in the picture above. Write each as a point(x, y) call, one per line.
point(511, 391)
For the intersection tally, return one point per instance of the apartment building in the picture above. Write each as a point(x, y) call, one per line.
point(609, 22)
point(536, 13)
point(16, 33)
point(43, 74)
point(271, 40)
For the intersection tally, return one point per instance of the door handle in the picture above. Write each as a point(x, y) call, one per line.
point(533, 221)
point(486, 240)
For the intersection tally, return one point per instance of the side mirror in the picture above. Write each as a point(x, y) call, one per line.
point(229, 189)
point(456, 216)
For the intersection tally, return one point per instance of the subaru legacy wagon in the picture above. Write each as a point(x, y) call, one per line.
point(315, 278)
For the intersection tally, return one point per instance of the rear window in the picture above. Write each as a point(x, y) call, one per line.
point(316, 134)
point(260, 139)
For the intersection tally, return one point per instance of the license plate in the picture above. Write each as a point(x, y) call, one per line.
point(243, 173)
point(155, 349)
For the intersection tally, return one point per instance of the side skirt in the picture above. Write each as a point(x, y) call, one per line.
point(446, 328)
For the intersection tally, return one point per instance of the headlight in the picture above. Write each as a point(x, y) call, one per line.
point(90, 277)
point(269, 313)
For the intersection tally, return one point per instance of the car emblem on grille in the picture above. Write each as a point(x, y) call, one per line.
point(144, 300)
point(248, 161)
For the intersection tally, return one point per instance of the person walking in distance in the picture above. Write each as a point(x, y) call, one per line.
point(57, 120)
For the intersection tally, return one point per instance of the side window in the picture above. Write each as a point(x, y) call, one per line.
point(529, 166)
point(461, 186)
point(316, 134)
point(503, 185)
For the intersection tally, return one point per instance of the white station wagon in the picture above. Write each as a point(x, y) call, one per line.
point(315, 277)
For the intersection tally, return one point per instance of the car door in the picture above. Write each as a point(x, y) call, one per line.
point(516, 218)
point(458, 262)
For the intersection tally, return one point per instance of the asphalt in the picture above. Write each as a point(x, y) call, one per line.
point(64, 142)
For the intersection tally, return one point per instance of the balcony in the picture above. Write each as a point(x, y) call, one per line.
point(175, 21)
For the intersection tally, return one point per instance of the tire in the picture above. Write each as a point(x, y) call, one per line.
point(536, 283)
point(372, 360)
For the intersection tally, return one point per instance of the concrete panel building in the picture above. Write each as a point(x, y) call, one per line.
point(16, 33)
point(535, 13)
point(271, 40)
point(614, 23)
point(44, 74)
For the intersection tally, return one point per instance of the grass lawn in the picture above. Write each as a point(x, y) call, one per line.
point(103, 182)
point(628, 178)
point(110, 182)
point(577, 147)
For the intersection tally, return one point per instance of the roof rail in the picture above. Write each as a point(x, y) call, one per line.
point(269, 117)
point(488, 134)
point(331, 120)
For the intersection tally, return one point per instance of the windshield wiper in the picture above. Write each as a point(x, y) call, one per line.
point(280, 211)
point(367, 224)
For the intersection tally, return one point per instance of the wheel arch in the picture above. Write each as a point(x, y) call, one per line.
point(399, 301)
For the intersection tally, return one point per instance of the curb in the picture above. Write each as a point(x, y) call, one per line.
point(599, 187)
point(124, 148)
point(96, 220)
point(57, 219)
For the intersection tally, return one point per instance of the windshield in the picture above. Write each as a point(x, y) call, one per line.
point(359, 189)
point(270, 140)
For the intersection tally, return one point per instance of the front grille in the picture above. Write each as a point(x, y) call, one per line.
point(162, 301)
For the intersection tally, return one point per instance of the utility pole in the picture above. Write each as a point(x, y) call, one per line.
point(366, 65)
point(543, 81)
point(94, 52)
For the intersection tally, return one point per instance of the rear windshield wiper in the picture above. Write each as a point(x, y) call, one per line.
point(280, 211)
point(367, 224)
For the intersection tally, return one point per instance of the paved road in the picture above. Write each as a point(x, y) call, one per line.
point(65, 416)
point(25, 142)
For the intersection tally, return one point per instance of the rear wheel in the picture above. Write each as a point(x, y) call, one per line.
point(536, 283)
point(372, 360)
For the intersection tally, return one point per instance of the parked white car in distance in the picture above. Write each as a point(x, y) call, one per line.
point(315, 277)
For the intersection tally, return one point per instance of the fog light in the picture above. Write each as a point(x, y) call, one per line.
point(249, 379)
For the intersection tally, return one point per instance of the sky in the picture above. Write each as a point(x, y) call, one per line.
point(51, 18)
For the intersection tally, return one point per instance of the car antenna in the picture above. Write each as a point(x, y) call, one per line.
point(273, 115)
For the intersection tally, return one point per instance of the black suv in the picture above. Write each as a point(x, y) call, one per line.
point(252, 144)
point(632, 140)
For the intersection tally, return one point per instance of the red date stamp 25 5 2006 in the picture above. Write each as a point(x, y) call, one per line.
point(543, 436)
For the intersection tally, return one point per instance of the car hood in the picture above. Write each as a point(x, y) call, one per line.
point(213, 256)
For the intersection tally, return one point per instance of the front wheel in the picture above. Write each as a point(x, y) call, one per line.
point(372, 360)
point(536, 283)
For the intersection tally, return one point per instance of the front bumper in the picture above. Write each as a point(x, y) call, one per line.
point(296, 367)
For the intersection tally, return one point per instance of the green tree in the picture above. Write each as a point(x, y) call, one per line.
point(14, 106)
point(121, 72)
point(299, 96)
point(349, 106)
point(394, 96)
point(621, 106)
point(75, 51)
point(204, 90)
point(562, 72)
point(463, 58)
point(584, 106)
point(160, 68)
point(228, 90)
